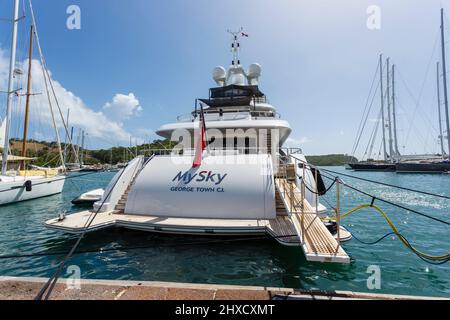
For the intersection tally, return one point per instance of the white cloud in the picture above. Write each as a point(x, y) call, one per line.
point(122, 107)
point(107, 124)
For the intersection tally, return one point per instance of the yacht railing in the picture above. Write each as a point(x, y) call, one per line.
point(260, 100)
point(230, 115)
point(224, 150)
point(293, 172)
point(119, 184)
point(293, 169)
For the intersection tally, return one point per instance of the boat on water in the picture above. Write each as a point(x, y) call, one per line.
point(423, 167)
point(229, 175)
point(392, 159)
point(372, 166)
point(440, 163)
point(391, 153)
point(19, 181)
point(89, 198)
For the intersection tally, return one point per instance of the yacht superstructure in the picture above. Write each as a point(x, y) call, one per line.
point(228, 175)
point(238, 104)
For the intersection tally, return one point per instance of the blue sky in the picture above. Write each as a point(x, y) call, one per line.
point(318, 60)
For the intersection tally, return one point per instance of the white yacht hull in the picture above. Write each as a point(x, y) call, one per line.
point(15, 191)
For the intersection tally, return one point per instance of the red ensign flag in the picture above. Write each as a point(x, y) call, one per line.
point(201, 144)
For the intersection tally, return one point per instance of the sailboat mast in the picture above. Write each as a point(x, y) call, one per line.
point(78, 147)
point(394, 119)
point(9, 98)
point(82, 148)
point(67, 134)
point(445, 80)
point(27, 105)
point(441, 136)
point(382, 108)
point(391, 151)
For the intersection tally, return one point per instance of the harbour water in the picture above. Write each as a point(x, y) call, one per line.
point(153, 257)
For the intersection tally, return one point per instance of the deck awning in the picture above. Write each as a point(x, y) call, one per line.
point(235, 91)
point(232, 95)
point(227, 102)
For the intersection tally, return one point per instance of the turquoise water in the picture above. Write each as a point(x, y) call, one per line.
point(250, 262)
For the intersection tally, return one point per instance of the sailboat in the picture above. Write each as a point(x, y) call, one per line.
point(440, 164)
point(17, 181)
point(389, 158)
point(392, 159)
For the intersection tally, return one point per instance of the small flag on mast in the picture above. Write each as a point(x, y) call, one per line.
point(201, 143)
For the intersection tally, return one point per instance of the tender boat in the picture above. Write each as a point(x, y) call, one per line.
point(229, 175)
point(89, 198)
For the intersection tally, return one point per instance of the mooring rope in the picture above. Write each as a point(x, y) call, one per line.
point(387, 184)
point(389, 202)
point(50, 284)
point(435, 259)
point(440, 258)
point(366, 242)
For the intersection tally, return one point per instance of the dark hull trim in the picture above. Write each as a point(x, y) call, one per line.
point(84, 202)
point(423, 167)
point(372, 167)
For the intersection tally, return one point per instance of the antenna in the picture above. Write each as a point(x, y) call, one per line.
point(235, 46)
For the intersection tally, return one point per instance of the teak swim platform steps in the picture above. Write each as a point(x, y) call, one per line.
point(317, 242)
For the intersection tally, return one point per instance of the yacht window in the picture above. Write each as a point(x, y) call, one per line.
point(247, 145)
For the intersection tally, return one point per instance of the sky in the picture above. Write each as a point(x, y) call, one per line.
point(136, 64)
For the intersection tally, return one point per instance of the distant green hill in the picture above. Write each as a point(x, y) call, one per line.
point(331, 159)
point(47, 153)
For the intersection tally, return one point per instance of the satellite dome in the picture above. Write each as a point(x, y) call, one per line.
point(254, 72)
point(219, 74)
point(237, 76)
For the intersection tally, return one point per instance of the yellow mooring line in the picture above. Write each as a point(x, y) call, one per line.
point(399, 235)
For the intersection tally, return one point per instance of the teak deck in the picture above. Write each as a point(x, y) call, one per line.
point(317, 242)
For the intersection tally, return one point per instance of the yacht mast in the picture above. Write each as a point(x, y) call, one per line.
point(441, 136)
point(9, 98)
point(394, 119)
point(391, 151)
point(382, 108)
point(235, 46)
point(445, 80)
point(27, 105)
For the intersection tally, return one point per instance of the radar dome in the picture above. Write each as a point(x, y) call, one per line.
point(219, 75)
point(254, 72)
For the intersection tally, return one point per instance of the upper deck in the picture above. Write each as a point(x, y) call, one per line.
point(235, 103)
